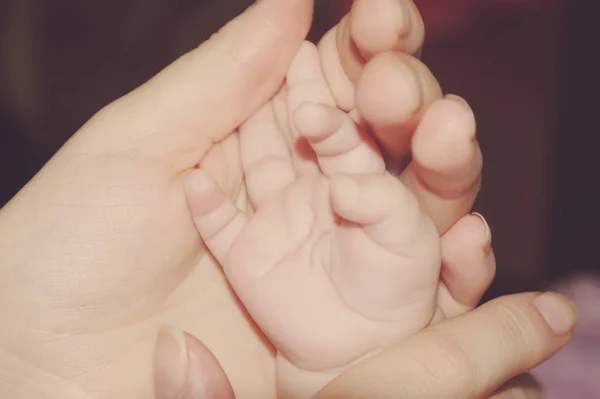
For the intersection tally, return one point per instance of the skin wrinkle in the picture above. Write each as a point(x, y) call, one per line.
point(154, 320)
point(164, 217)
point(359, 314)
point(35, 372)
point(175, 184)
point(290, 225)
point(121, 310)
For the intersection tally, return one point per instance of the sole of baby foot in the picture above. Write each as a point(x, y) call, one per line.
point(386, 258)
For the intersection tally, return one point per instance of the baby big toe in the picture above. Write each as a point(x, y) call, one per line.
point(340, 144)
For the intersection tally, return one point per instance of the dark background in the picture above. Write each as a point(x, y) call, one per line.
point(531, 77)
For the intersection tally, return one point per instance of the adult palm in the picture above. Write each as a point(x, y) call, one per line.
point(99, 250)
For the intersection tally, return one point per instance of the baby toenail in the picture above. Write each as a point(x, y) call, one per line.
point(487, 246)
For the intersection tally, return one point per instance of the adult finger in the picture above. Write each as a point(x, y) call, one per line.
point(468, 265)
point(186, 369)
point(208, 92)
point(370, 28)
point(445, 171)
point(392, 94)
point(469, 356)
point(524, 386)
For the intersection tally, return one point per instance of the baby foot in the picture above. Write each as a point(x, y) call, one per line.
point(369, 67)
point(399, 102)
point(339, 260)
point(336, 261)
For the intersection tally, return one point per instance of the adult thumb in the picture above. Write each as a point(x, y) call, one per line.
point(470, 356)
point(184, 368)
point(208, 92)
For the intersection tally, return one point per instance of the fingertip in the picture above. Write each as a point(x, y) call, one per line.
point(379, 25)
point(470, 230)
point(458, 99)
point(445, 139)
point(468, 264)
point(170, 363)
point(550, 316)
point(506, 337)
point(207, 379)
point(485, 232)
point(446, 161)
point(371, 27)
point(382, 25)
point(558, 311)
point(389, 92)
point(446, 155)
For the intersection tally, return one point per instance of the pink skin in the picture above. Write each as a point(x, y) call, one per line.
point(340, 258)
point(395, 98)
point(467, 260)
point(99, 250)
point(445, 19)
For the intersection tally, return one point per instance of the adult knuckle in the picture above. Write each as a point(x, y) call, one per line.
point(515, 329)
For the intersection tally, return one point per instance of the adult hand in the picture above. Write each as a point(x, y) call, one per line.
point(470, 356)
point(343, 42)
point(99, 249)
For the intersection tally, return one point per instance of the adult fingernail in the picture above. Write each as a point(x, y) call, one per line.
point(487, 232)
point(460, 100)
point(403, 11)
point(456, 98)
point(170, 363)
point(559, 312)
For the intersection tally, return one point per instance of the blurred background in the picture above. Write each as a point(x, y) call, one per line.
point(528, 68)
